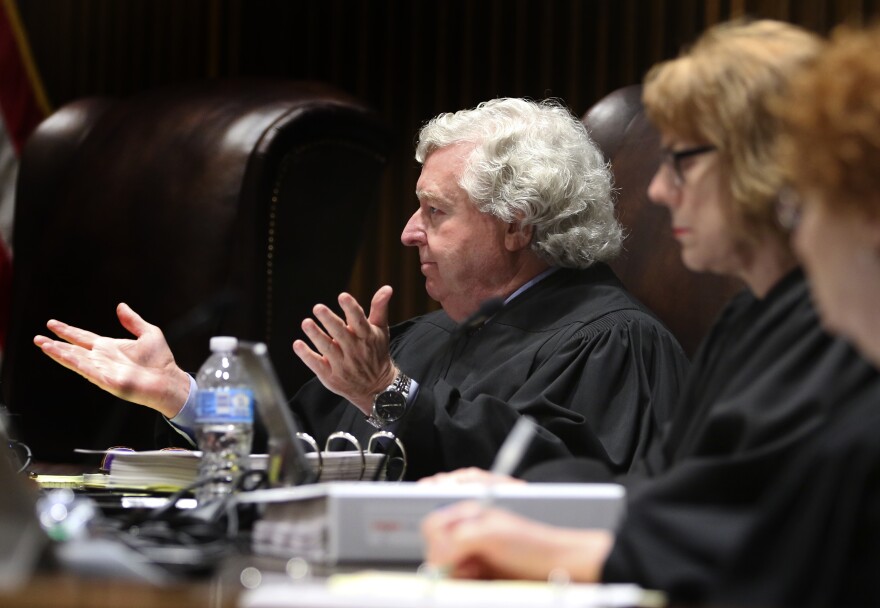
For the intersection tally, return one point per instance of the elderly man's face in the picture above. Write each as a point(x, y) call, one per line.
point(462, 250)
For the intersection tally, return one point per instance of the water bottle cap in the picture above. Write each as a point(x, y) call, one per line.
point(223, 343)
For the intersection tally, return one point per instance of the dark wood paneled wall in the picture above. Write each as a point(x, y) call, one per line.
point(409, 59)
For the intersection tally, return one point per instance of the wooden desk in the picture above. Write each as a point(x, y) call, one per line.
point(65, 591)
point(59, 589)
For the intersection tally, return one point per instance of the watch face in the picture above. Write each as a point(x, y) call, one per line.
point(390, 406)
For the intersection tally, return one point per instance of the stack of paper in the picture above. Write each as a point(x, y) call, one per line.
point(348, 465)
point(375, 589)
point(156, 470)
point(172, 470)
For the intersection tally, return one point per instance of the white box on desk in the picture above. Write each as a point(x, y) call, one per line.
point(379, 522)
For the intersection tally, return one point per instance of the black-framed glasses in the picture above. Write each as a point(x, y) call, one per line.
point(789, 209)
point(673, 159)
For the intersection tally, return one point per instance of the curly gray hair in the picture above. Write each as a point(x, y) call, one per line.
point(533, 162)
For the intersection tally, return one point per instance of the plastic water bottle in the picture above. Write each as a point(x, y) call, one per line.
point(224, 419)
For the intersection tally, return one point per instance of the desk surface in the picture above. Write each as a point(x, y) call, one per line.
point(56, 587)
point(65, 591)
point(274, 583)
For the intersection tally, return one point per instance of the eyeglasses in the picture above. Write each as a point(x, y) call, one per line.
point(673, 159)
point(789, 208)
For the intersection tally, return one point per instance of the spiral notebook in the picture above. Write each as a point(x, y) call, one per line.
point(173, 470)
point(289, 463)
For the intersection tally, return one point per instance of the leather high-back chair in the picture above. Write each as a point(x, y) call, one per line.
point(216, 208)
point(650, 264)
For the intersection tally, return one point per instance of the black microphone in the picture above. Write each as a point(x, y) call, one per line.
point(485, 312)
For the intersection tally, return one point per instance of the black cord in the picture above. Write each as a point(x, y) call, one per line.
point(187, 541)
point(249, 480)
point(210, 529)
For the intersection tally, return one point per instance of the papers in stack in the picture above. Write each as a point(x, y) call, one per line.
point(373, 589)
point(373, 523)
point(172, 470)
point(348, 465)
point(155, 470)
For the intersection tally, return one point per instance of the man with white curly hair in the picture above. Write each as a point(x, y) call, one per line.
point(514, 225)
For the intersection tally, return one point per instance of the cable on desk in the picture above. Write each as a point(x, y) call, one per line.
point(204, 534)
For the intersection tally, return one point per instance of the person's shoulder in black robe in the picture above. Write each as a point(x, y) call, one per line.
point(816, 541)
point(598, 372)
point(761, 387)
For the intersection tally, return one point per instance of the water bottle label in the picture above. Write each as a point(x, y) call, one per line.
point(227, 406)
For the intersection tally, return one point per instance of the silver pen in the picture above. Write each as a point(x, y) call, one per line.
point(511, 453)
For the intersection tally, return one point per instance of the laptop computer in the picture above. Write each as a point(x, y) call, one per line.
point(288, 464)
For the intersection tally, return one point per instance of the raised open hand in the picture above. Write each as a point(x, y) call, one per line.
point(350, 356)
point(142, 370)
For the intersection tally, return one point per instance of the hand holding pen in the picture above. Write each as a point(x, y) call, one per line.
point(474, 540)
point(457, 517)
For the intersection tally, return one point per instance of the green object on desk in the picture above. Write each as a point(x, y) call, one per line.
point(51, 482)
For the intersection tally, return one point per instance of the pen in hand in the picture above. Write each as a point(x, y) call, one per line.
point(511, 453)
point(508, 458)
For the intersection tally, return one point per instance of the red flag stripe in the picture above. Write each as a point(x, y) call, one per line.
point(23, 101)
point(23, 105)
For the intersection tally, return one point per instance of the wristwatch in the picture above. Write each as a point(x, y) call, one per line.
point(390, 404)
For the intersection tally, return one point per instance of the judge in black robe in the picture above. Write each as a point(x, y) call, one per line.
point(817, 542)
point(817, 539)
point(575, 351)
point(762, 386)
point(515, 203)
point(509, 192)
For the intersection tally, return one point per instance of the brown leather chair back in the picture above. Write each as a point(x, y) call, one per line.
point(223, 207)
point(650, 265)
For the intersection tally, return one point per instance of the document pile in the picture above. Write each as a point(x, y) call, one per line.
point(154, 470)
point(384, 589)
point(172, 470)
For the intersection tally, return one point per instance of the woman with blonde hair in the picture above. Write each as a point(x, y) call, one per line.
point(818, 541)
point(762, 383)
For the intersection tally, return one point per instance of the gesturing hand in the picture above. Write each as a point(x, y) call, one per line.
point(142, 371)
point(350, 356)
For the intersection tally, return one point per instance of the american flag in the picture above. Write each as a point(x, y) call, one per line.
point(23, 104)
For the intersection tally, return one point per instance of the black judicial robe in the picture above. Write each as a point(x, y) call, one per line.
point(576, 351)
point(761, 386)
point(817, 540)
